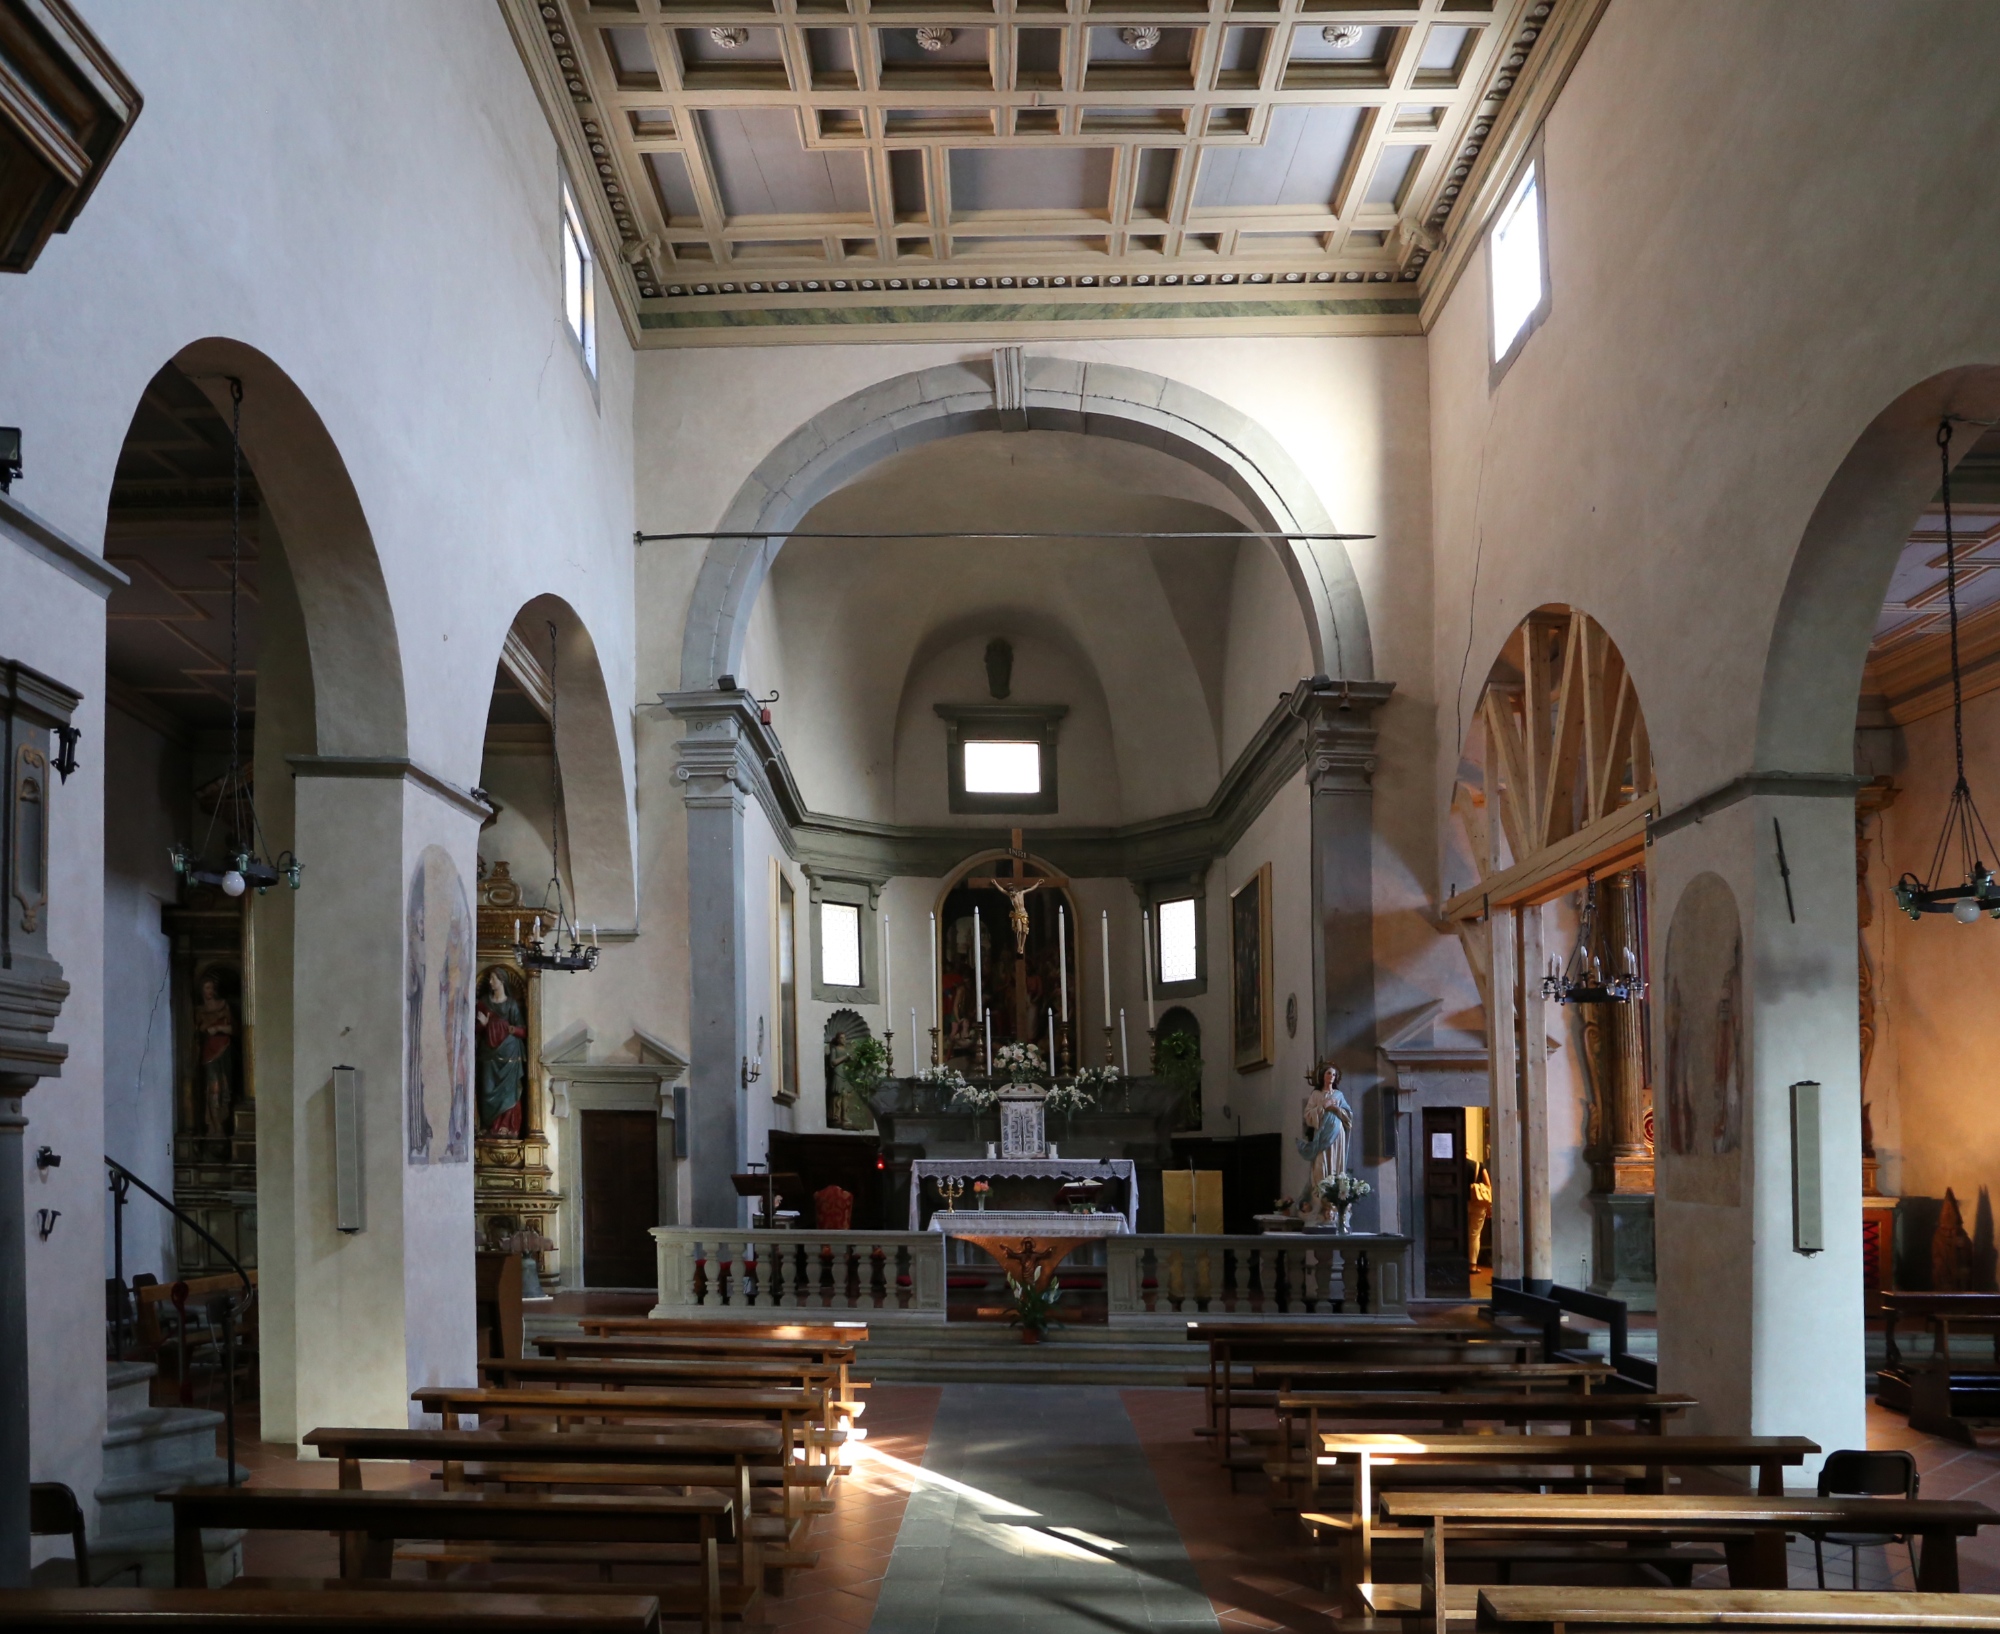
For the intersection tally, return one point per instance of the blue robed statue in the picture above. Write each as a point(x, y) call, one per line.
point(1328, 1121)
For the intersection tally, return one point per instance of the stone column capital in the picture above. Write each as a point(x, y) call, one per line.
point(1340, 731)
point(715, 760)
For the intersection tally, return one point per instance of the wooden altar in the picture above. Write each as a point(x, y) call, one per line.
point(513, 1184)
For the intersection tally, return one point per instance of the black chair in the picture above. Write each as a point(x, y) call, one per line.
point(52, 1511)
point(1851, 1474)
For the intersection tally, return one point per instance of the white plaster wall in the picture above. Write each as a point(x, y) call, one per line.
point(1267, 650)
point(139, 1058)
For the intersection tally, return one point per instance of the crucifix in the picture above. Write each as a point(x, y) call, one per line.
point(1017, 886)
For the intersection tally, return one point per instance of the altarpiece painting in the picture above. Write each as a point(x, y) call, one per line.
point(1250, 972)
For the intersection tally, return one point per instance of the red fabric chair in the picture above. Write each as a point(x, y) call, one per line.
point(833, 1209)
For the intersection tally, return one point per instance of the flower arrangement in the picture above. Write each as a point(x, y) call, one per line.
point(945, 1081)
point(1034, 1308)
point(979, 1190)
point(1022, 1063)
point(1074, 1096)
point(1097, 1080)
point(1341, 1190)
point(979, 1097)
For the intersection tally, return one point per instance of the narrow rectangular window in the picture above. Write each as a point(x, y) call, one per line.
point(1515, 254)
point(1177, 942)
point(996, 767)
point(840, 944)
point(578, 287)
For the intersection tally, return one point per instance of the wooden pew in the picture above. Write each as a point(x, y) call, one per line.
point(844, 1333)
point(793, 1411)
point(1609, 1455)
point(836, 1353)
point(1752, 1529)
point(378, 1610)
point(1551, 1610)
point(371, 1524)
point(741, 1459)
point(1647, 1414)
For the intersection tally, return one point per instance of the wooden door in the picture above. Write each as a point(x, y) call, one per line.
point(1447, 1175)
point(621, 1198)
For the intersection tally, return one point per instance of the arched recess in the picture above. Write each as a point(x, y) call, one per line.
point(598, 829)
point(1028, 1022)
point(357, 664)
point(1840, 573)
point(1098, 399)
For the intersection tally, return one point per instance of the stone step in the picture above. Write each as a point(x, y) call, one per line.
point(129, 1388)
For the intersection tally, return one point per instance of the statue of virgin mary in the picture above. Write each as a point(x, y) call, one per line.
point(1328, 1120)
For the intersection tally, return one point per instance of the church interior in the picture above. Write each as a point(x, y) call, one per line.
point(1066, 814)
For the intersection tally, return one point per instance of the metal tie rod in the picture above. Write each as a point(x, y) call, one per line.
point(643, 538)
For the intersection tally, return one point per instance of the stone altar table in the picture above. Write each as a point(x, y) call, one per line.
point(924, 1169)
point(1019, 1222)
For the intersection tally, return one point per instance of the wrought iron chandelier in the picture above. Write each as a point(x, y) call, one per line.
point(250, 864)
point(1964, 830)
point(536, 951)
point(1582, 980)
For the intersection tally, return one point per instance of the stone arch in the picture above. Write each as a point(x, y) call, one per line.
point(356, 656)
point(1840, 572)
point(1098, 399)
point(599, 820)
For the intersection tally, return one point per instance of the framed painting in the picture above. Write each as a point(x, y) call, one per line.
point(1250, 972)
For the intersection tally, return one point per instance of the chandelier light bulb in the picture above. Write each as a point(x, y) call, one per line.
point(232, 883)
point(1966, 912)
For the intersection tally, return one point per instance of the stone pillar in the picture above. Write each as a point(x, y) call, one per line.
point(361, 1318)
point(715, 772)
point(1621, 1200)
point(1537, 1218)
point(1340, 761)
point(1769, 1340)
point(32, 990)
point(1503, 1054)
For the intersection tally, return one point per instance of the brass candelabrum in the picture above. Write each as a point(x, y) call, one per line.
point(936, 1059)
point(889, 1052)
point(1110, 1059)
point(1063, 1063)
point(950, 1187)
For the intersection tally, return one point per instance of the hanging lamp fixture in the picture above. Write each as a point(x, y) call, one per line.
point(250, 864)
point(1582, 980)
point(1960, 841)
point(537, 951)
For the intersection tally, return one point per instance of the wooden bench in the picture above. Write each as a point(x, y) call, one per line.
point(835, 1353)
point(793, 1411)
point(844, 1333)
point(1554, 1610)
point(823, 1379)
point(290, 1611)
point(1582, 1412)
point(371, 1524)
point(1752, 1530)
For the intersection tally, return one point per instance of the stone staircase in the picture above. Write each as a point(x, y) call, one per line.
point(990, 1353)
point(149, 1450)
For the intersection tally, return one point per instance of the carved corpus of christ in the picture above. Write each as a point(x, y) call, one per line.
point(1016, 890)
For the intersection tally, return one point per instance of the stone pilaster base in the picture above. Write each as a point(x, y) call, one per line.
point(1622, 1247)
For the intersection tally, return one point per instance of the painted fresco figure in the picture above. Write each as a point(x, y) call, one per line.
point(1328, 1120)
point(215, 1027)
point(501, 1042)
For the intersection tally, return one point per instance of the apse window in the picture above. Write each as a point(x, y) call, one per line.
point(1517, 260)
point(839, 944)
point(996, 767)
point(1179, 958)
point(578, 287)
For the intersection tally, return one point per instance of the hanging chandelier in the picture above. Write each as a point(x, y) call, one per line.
point(1964, 832)
point(249, 862)
point(537, 951)
point(1582, 980)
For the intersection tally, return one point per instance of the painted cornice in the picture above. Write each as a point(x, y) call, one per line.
point(1322, 727)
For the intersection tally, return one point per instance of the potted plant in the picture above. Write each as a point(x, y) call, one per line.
point(1034, 1308)
point(1177, 1060)
point(861, 1074)
point(1022, 1063)
point(1341, 1192)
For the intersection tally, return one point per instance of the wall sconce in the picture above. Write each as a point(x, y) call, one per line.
point(347, 1214)
point(47, 1218)
point(10, 457)
point(46, 1158)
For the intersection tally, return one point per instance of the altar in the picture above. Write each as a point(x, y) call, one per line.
point(1019, 1222)
point(924, 1170)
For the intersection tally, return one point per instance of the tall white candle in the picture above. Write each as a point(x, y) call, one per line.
point(916, 1055)
point(1146, 948)
point(1124, 1047)
point(888, 1004)
point(978, 970)
point(934, 978)
point(989, 1043)
point(1062, 960)
point(1107, 967)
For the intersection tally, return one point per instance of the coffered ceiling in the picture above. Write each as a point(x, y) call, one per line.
point(774, 169)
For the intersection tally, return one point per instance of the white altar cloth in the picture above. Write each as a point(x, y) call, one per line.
point(969, 1169)
point(1022, 1222)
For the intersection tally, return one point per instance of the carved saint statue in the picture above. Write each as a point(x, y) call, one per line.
point(1328, 1120)
point(215, 1027)
point(1017, 915)
point(500, 1038)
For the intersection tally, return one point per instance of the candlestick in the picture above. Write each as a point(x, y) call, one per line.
point(1052, 1042)
point(1062, 960)
point(934, 982)
point(978, 967)
point(1109, 1058)
point(1146, 949)
point(936, 1058)
point(1124, 1044)
point(1106, 945)
point(889, 1049)
point(989, 1043)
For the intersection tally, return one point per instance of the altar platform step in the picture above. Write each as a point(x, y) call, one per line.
point(989, 1353)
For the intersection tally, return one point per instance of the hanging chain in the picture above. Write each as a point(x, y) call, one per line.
point(1951, 600)
point(555, 788)
point(235, 576)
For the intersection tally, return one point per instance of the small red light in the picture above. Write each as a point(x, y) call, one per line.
point(881, 1164)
